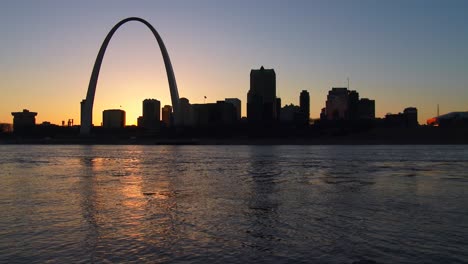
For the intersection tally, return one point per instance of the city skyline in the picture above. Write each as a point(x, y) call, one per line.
point(416, 58)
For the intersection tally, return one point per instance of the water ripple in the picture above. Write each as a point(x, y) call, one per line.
point(234, 204)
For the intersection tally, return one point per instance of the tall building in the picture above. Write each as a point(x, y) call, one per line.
point(353, 106)
point(336, 107)
point(167, 117)
point(23, 121)
point(113, 118)
point(411, 115)
point(304, 104)
point(237, 104)
point(151, 114)
point(186, 112)
point(343, 104)
point(261, 98)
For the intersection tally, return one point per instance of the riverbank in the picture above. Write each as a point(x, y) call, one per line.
point(419, 136)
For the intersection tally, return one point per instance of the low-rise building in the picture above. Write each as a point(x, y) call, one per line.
point(113, 118)
point(23, 121)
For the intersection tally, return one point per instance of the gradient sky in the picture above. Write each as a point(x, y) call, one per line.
point(400, 53)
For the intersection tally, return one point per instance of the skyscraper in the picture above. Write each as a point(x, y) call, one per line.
point(167, 115)
point(151, 114)
point(337, 104)
point(304, 104)
point(411, 115)
point(261, 98)
point(352, 112)
point(343, 104)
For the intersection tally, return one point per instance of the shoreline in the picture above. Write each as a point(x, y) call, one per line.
point(382, 136)
point(233, 142)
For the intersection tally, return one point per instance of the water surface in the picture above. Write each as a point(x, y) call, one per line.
point(234, 204)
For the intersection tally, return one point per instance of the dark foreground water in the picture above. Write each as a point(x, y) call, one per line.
point(203, 204)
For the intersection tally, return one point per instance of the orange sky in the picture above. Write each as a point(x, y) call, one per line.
point(48, 51)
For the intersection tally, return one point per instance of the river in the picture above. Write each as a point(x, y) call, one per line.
point(233, 204)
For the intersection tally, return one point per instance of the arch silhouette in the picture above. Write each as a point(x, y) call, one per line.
point(87, 104)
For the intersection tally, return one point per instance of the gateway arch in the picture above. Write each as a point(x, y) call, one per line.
point(87, 104)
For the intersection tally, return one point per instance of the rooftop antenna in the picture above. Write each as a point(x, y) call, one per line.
point(348, 82)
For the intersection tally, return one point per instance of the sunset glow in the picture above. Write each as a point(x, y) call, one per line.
point(400, 54)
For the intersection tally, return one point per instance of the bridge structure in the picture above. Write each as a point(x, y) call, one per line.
point(87, 104)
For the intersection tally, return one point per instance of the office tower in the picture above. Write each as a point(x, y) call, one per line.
point(336, 106)
point(113, 118)
point(343, 104)
point(304, 104)
point(411, 116)
point(261, 98)
point(237, 104)
point(151, 114)
point(353, 106)
point(167, 115)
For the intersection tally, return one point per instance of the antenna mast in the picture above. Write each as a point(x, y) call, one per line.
point(348, 82)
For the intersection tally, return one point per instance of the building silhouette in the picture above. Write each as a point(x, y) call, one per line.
point(186, 113)
point(23, 121)
point(409, 118)
point(453, 119)
point(261, 98)
point(411, 115)
point(220, 113)
point(278, 108)
point(237, 104)
point(83, 114)
point(336, 106)
point(113, 118)
point(352, 112)
point(151, 114)
point(6, 128)
point(366, 109)
point(304, 104)
point(167, 116)
point(291, 114)
point(343, 104)
point(227, 113)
